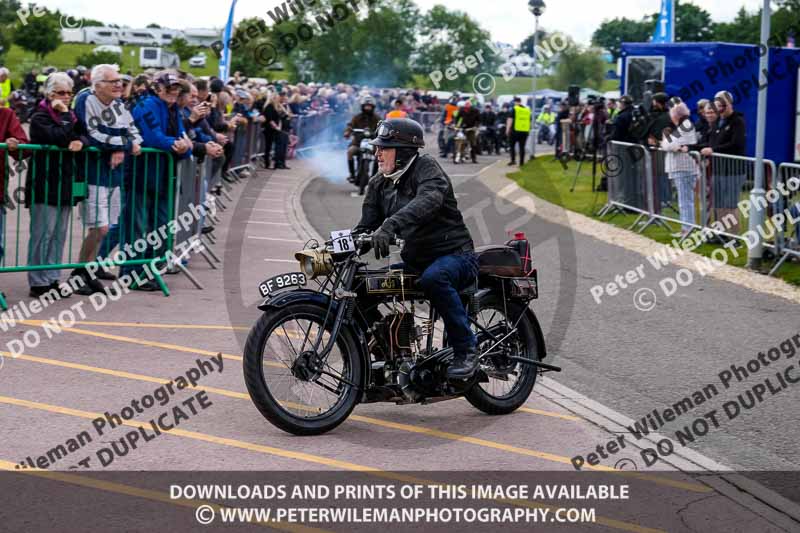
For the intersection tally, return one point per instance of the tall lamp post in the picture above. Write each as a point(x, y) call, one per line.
point(757, 216)
point(537, 8)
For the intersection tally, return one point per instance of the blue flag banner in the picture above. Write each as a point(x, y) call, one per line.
point(665, 27)
point(225, 58)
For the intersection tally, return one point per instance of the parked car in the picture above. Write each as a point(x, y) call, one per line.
point(113, 48)
point(198, 60)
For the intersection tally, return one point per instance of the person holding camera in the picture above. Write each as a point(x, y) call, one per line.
point(623, 121)
point(658, 119)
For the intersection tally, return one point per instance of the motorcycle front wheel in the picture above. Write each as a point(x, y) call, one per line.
point(288, 383)
point(363, 175)
point(510, 382)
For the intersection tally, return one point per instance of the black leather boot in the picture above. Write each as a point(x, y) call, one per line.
point(464, 365)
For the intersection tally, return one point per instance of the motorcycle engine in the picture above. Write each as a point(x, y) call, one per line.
point(398, 334)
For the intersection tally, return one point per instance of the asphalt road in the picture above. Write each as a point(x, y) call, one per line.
point(626, 359)
point(629, 361)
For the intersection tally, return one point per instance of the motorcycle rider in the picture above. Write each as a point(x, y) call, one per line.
point(413, 198)
point(367, 119)
point(546, 120)
point(445, 139)
point(397, 111)
point(469, 117)
point(488, 120)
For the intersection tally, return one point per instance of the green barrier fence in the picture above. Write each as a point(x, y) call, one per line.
point(47, 189)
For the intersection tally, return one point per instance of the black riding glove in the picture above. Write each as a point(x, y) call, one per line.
point(381, 240)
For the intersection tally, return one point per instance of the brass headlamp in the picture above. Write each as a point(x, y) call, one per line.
point(315, 262)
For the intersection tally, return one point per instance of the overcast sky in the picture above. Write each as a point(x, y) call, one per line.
point(507, 20)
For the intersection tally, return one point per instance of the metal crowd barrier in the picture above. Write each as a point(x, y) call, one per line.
point(320, 129)
point(789, 204)
point(146, 206)
point(630, 185)
point(46, 206)
point(641, 185)
point(427, 119)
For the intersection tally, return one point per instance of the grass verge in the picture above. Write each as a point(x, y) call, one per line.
point(546, 178)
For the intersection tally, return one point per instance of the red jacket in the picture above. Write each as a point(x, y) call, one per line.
point(9, 127)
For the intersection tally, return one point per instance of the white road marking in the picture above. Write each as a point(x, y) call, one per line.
point(280, 261)
point(268, 223)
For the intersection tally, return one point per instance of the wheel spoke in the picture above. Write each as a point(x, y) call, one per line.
point(324, 388)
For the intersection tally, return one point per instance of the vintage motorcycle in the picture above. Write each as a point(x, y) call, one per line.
point(366, 162)
point(365, 335)
point(461, 144)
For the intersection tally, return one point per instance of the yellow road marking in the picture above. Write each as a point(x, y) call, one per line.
point(232, 357)
point(161, 326)
point(551, 414)
point(128, 490)
point(344, 465)
point(154, 344)
point(387, 424)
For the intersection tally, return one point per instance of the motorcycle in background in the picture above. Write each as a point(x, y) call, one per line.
point(366, 162)
point(546, 133)
point(500, 140)
point(461, 143)
point(487, 141)
point(23, 104)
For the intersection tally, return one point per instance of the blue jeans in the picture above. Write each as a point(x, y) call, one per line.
point(441, 281)
point(141, 216)
point(48, 233)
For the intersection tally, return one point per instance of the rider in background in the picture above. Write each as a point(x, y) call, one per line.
point(397, 111)
point(445, 143)
point(412, 197)
point(469, 118)
point(547, 120)
point(367, 119)
point(489, 119)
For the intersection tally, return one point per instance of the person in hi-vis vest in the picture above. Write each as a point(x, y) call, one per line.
point(518, 127)
point(5, 87)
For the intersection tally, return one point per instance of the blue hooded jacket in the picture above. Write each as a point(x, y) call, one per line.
point(152, 117)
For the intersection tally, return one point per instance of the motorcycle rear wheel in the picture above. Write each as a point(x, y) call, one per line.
point(286, 400)
point(524, 343)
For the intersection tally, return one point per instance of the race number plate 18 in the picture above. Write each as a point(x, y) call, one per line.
point(281, 282)
point(342, 241)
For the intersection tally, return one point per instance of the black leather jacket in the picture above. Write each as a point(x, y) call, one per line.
point(421, 208)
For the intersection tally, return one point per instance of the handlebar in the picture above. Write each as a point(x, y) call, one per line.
point(364, 238)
